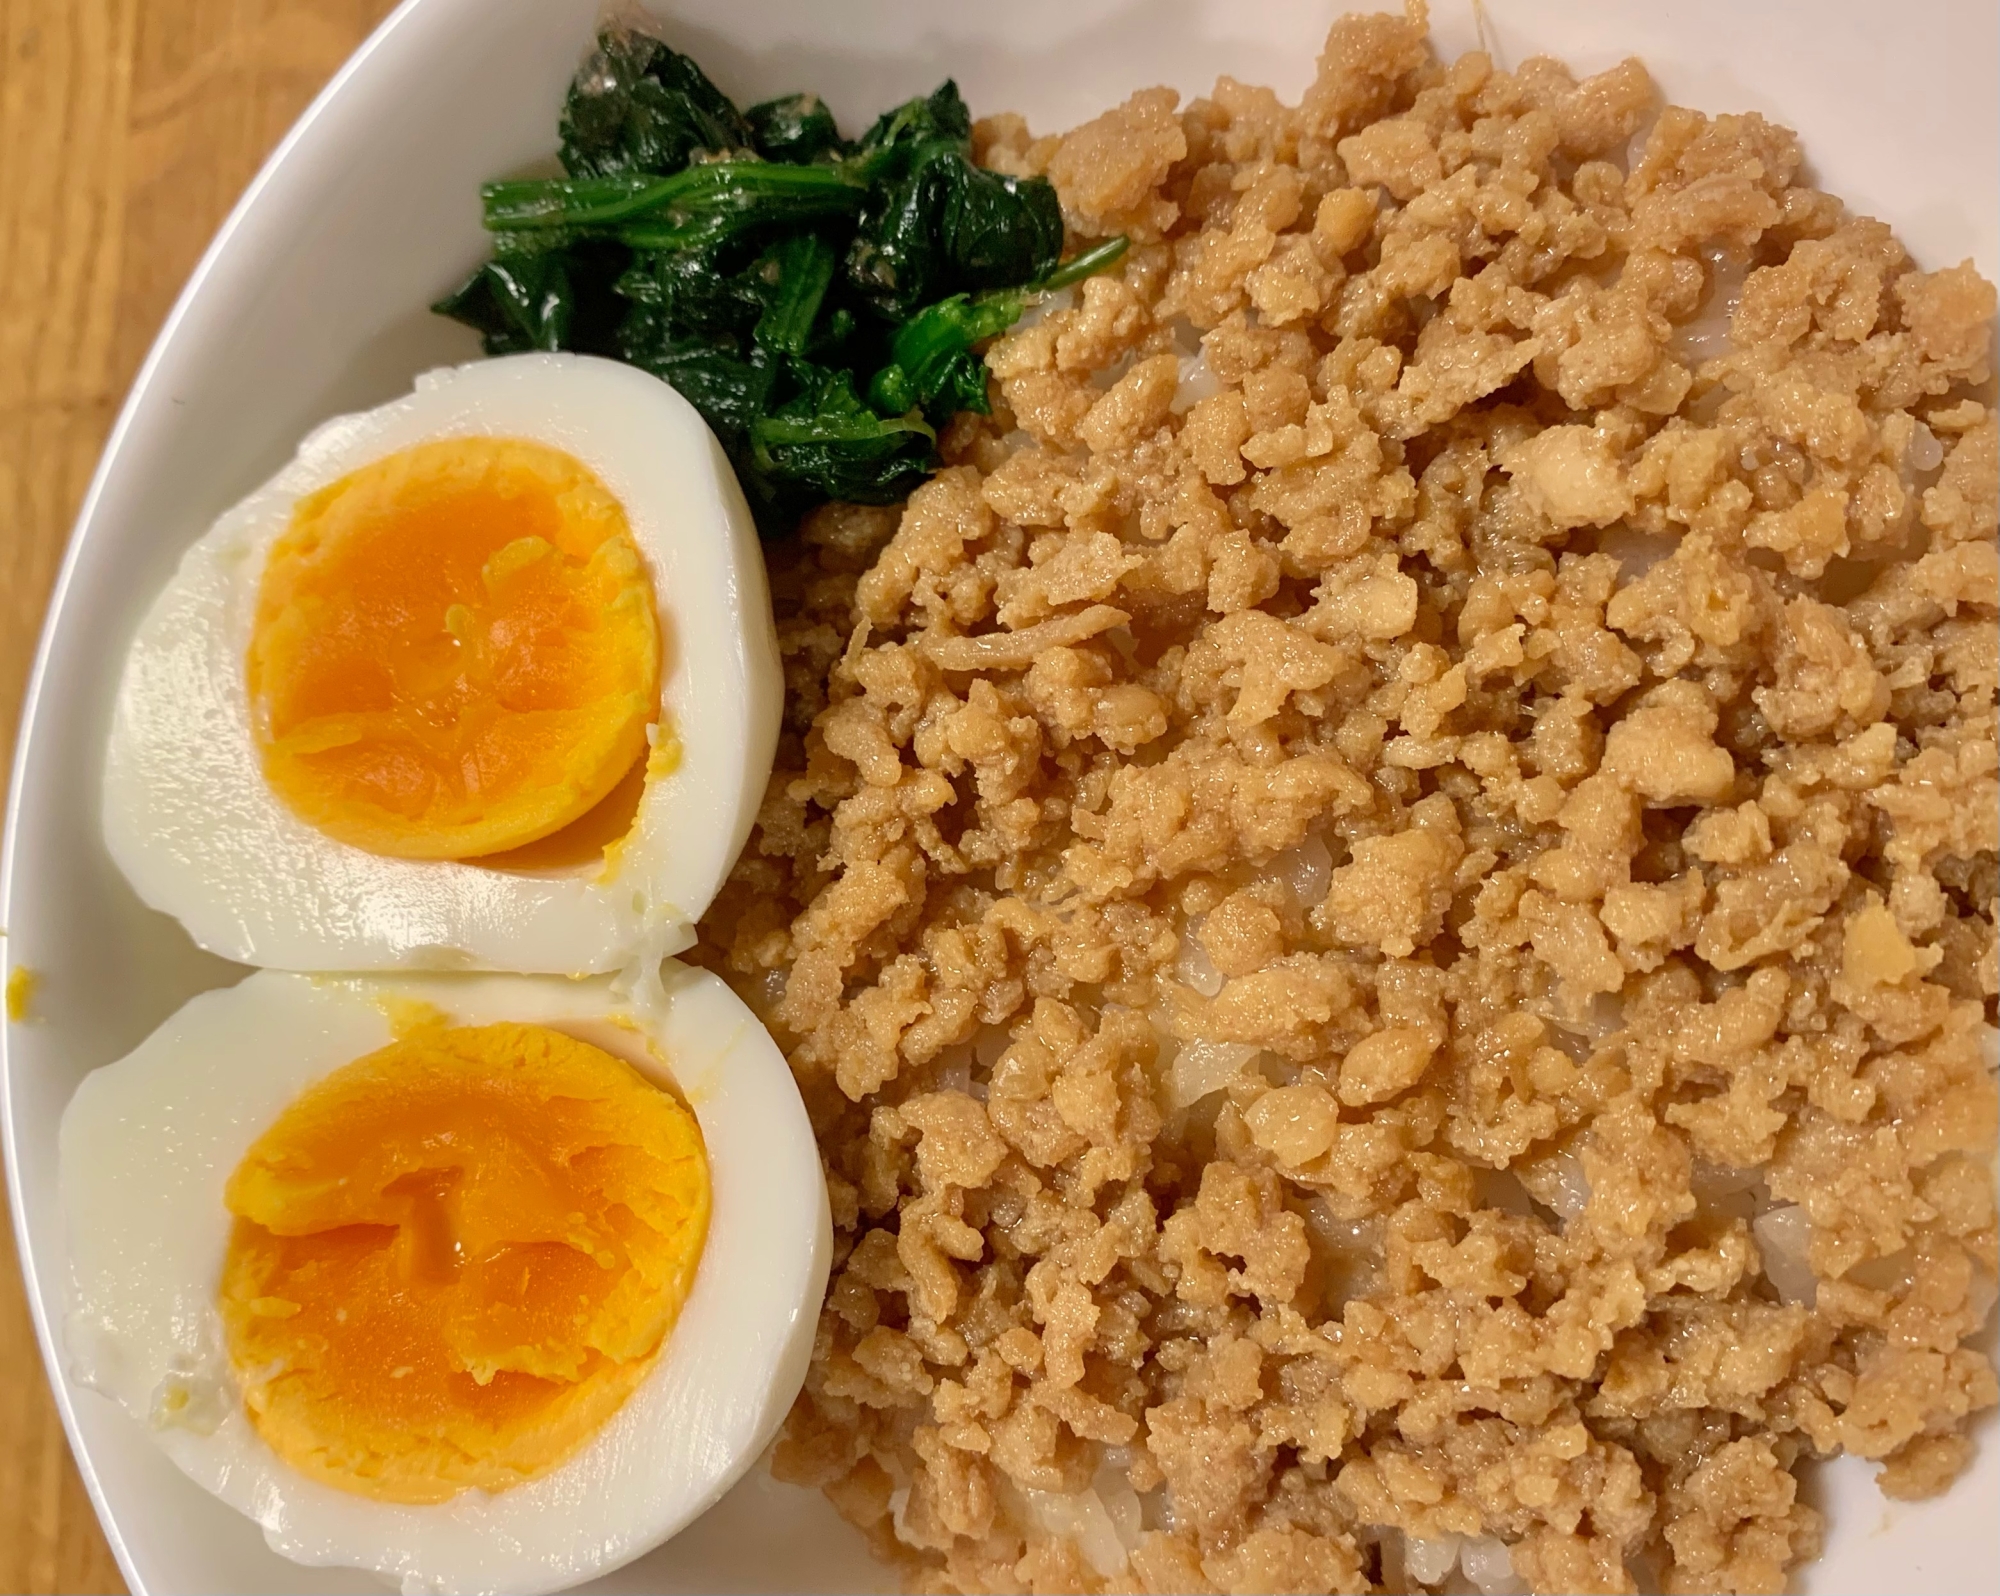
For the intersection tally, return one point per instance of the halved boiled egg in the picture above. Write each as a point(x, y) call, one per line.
point(485, 678)
point(480, 1282)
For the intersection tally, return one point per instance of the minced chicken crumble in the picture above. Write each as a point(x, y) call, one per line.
point(1383, 897)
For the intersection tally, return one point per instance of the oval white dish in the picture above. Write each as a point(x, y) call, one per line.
point(311, 302)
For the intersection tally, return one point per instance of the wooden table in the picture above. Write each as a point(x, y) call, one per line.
point(127, 129)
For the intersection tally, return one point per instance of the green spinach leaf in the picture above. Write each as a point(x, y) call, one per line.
point(940, 116)
point(826, 439)
point(931, 363)
point(729, 391)
point(797, 271)
point(637, 105)
point(795, 127)
point(931, 358)
point(948, 227)
point(694, 209)
point(695, 293)
point(565, 298)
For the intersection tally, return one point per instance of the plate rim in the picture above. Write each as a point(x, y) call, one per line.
point(241, 217)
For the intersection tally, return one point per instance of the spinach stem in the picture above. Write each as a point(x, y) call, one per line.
point(1087, 264)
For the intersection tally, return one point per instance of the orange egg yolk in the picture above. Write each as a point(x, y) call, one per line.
point(455, 650)
point(453, 1260)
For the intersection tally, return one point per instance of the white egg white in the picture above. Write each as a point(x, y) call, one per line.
point(192, 823)
point(148, 1144)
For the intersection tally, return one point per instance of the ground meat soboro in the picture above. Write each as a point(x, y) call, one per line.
point(1383, 896)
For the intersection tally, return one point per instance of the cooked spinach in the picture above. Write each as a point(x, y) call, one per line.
point(819, 300)
point(526, 299)
point(948, 226)
point(824, 435)
point(932, 364)
point(637, 106)
point(693, 209)
point(938, 117)
point(799, 270)
point(795, 127)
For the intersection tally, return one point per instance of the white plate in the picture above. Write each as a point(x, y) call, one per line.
point(311, 301)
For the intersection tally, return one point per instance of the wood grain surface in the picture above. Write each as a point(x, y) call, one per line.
point(127, 129)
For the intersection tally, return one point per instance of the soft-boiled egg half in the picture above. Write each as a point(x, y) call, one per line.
point(484, 679)
point(481, 1282)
